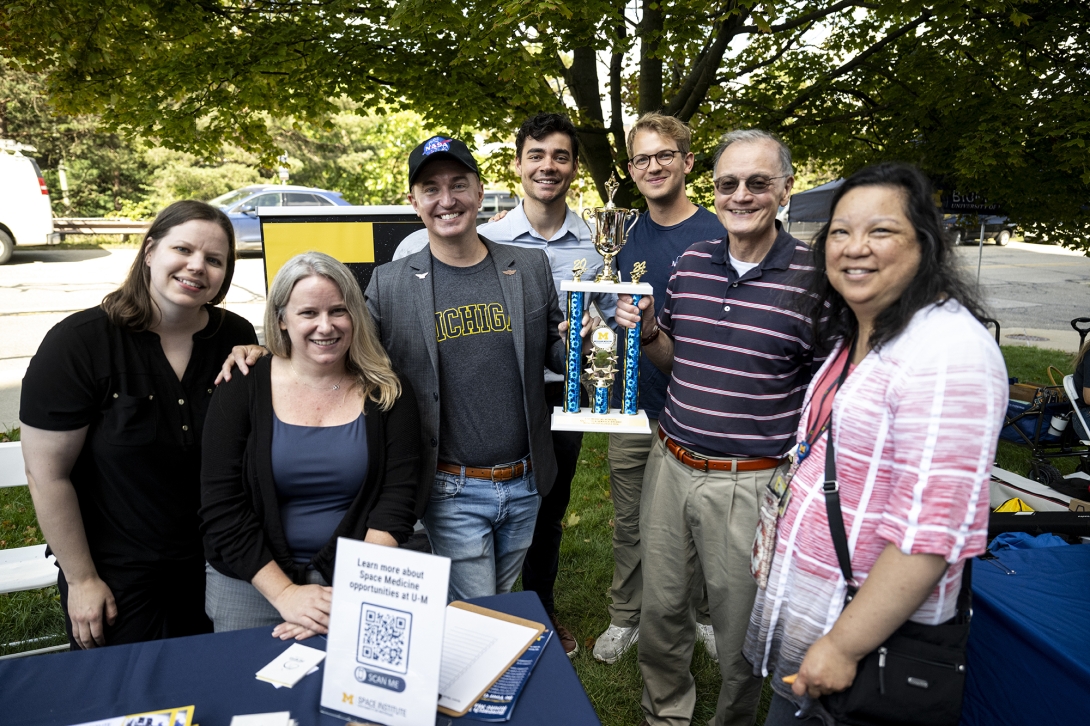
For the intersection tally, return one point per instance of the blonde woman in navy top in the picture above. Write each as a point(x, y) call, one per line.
point(319, 441)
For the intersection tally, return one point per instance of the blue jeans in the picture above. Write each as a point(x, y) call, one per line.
point(484, 527)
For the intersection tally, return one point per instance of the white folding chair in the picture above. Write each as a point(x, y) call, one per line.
point(21, 568)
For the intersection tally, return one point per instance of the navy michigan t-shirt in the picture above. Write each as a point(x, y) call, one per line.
point(482, 417)
point(660, 247)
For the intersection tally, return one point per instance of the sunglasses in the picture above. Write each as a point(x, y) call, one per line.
point(665, 158)
point(756, 184)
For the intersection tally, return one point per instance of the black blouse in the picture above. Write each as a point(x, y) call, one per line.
point(138, 475)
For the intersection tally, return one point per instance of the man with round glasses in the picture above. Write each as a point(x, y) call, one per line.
point(658, 149)
point(739, 359)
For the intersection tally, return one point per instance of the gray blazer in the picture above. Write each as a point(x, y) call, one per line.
point(402, 304)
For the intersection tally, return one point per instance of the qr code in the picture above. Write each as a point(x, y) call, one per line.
point(384, 638)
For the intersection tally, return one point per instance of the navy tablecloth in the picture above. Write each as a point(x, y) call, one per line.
point(1029, 644)
point(216, 673)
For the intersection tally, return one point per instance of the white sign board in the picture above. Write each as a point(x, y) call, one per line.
point(385, 635)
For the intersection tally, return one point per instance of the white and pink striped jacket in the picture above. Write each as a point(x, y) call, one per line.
point(915, 429)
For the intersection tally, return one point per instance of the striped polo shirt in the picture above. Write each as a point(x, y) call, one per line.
point(742, 350)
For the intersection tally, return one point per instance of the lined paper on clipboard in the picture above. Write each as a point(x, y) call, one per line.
point(479, 645)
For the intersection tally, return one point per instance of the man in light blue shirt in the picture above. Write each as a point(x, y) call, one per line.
point(547, 159)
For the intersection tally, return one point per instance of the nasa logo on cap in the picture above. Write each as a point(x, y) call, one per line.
point(436, 143)
point(440, 147)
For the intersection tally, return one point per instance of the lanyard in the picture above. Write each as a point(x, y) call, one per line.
point(816, 431)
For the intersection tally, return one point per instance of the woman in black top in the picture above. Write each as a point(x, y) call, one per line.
point(321, 440)
point(113, 407)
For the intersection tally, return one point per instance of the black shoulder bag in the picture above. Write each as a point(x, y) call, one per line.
point(917, 676)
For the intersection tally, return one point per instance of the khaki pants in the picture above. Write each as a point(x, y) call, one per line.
point(627, 460)
point(696, 526)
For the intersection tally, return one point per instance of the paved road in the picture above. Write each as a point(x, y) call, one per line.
point(38, 288)
point(1033, 290)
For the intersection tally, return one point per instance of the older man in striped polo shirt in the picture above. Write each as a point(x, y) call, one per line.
point(739, 357)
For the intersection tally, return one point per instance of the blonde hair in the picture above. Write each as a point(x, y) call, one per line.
point(366, 360)
point(663, 125)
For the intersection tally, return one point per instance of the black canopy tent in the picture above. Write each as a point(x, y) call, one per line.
point(813, 204)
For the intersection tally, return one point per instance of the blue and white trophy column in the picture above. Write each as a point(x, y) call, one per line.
point(611, 225)
point(575, 346)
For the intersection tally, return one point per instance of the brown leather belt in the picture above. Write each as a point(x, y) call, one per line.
point(496, 473)
point(703, 463)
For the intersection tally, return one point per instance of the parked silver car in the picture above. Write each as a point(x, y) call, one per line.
point(241, 207)
point(495, 202)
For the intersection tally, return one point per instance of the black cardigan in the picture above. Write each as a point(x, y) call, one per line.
point(240, 515)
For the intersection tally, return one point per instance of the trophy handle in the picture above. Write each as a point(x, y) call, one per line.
point(590, 211)
point(635, 218)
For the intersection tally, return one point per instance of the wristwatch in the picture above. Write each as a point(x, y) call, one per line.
point(648, 340)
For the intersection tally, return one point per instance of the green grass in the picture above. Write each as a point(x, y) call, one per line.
point(586, 568)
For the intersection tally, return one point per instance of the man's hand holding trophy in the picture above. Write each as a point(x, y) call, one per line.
point(611, 225)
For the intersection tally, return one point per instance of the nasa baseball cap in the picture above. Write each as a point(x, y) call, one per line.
point(440, 147)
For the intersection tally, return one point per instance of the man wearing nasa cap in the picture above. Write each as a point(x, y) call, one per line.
point(471, 324)
point(547, 161)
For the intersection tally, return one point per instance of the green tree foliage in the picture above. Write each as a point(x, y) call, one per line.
point(109, 173)
point(104, 169)
point(988, 94)
point(361, 156)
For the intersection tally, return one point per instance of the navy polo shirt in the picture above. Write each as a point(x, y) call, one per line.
point(660, 247)
point(743, 355)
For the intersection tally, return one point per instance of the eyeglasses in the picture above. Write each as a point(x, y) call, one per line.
point(756, 184)
point(665, 158)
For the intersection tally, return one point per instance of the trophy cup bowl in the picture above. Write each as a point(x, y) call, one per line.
point(611, 227)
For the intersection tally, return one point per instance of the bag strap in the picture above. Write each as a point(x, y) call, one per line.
point(832, 492)
point(836, 518)
point(1053, 378)
point(831, 489)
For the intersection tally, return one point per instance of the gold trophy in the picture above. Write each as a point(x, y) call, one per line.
point(611, 227)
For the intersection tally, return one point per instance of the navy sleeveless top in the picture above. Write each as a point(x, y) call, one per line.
point(318, 470)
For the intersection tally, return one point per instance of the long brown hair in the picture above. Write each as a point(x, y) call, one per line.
point(130, 306)
point(367, 359)
point(1077, 361)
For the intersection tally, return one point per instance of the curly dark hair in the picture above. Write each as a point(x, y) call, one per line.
point(937, 280)
point(543, 124)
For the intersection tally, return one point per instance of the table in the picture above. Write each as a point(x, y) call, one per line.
point(1029, 643)
point(216, 672)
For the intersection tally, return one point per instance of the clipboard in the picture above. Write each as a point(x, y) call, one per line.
point(536, 629)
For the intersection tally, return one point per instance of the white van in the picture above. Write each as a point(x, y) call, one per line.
point(26, 217)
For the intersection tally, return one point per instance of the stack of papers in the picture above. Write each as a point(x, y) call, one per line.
point(479, 646)
point(277, 718)
point(289, 667)
point(180, 716)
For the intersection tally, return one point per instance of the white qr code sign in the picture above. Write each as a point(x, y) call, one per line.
point(384, 638)
point(385, 635)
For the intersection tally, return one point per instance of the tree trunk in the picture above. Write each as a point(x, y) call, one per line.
point(596, 154)
point(117, 190)
point(650, 31)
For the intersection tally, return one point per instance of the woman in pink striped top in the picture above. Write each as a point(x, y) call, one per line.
point(915, 426)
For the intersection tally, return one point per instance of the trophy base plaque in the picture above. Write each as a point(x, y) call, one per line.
point(612, 422)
